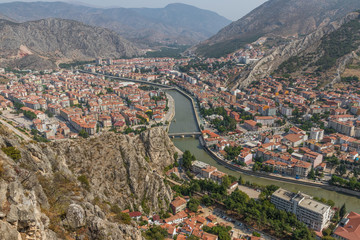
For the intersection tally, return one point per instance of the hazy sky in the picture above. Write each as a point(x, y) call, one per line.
point(232, 9)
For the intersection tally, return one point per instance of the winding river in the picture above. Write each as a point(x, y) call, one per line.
point(185, 122)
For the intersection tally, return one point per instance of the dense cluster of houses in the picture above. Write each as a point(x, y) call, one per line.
point(181, 223)
point(270, 103)
point(83, 101)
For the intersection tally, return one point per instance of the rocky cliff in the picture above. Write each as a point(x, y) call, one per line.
point(77, 188)
point(277, 18)
point(54, 40)
point(310, 44)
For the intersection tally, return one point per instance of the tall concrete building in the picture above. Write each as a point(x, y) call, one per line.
point(98, 61)
point(314, 214)
point(109, 61)
point(317, 134)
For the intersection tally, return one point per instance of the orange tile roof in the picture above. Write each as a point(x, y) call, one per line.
point(351, 230)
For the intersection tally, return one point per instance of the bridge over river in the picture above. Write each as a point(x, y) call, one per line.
point(185, 134)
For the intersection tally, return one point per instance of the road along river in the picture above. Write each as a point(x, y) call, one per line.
point(184, 121)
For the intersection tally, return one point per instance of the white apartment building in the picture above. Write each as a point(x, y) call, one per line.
point(197, 166)
point(314, 214)
point(317, 134)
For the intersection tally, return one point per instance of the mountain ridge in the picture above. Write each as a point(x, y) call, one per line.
point(156, 26)
point(310, 43)
point(51, 40)
point(282, 18)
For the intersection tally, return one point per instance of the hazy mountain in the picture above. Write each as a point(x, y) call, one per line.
point(54, 40)
point(176, 23)
point(5, 17)
point(283, 18)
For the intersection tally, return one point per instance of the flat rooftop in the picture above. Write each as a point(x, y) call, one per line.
point(314, 206)
point(284, 194)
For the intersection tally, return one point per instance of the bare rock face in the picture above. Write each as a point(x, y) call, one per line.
point(59, 188)
point(270, 63)
point(120, 166)
point(279, 18)
point(52, 40)
point(8, 232)
point(75, 216)
point(107, 230)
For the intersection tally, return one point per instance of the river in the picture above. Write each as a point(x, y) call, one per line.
point(185, 122)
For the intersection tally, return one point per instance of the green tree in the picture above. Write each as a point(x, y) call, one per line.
point(84, 182)
point(156, 233)
point(109, 90)
point(232, 152)
point(18, 105)
point(290, 150)
point(120, 216)
point(221, 231)
point(342, 210)
point(12, 152)
point(226, 181)
point(83, 133)
point(50, 114)
point(327, 238)
point(207, 201)
point(30, 115)
point(327, 232)
point(187, 159)
point(241, 180)
point(193, 204)
point(195, 187)
point(341, 170)
point(330, 202)
point(311, 174)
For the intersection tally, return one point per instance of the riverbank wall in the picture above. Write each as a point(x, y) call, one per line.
point(278, 178)
point(197, 118)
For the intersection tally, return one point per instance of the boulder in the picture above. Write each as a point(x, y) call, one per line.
point(75, 216)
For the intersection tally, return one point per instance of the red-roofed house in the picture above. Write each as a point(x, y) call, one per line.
point(294, 140)
point(349, 228)
point(135, 215)
point(178, 204)
point(250, 125)
point(245, 157)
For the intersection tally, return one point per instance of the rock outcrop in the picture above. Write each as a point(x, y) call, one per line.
point(77, 187)
point(277, 18)
point(272, 61)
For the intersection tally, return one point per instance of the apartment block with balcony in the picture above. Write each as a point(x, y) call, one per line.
point(314, 214)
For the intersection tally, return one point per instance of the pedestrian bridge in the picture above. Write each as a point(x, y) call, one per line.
point(184, 134)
